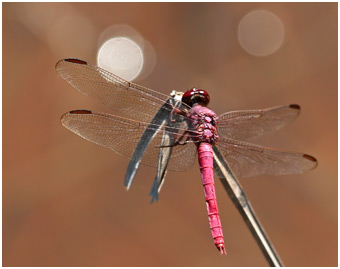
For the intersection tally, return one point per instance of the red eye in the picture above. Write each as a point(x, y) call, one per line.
point(196, 96)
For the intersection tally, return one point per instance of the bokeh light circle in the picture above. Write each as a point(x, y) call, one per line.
point(121, 56)
point(261, 33)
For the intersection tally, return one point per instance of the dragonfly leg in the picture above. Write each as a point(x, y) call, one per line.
point(174, 112)
point(178, 142)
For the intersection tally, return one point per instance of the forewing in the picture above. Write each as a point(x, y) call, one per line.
point(241, 125)
point(247, 160)
point(135, 101)
point(122, 135)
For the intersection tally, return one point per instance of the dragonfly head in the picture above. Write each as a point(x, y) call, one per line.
point(196, 96)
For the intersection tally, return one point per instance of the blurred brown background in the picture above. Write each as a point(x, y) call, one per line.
point(64, 203)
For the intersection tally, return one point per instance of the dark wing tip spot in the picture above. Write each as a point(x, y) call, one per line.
point(295, 106)
point(66, 117)
point(309, 157)
point(80, 111)
point(75, 61)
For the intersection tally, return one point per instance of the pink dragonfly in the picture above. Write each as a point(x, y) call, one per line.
point(191, 127)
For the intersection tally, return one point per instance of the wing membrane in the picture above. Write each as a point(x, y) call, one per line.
point(241, 125)
point(135, 101)
point(122, 135)
point(248, 160)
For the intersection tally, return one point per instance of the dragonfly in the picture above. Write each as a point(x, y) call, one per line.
point(182, 126)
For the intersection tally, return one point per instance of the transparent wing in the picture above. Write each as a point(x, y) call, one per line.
point(241, 125)
point(248, 160)
point(135, 101)
point(122, 135)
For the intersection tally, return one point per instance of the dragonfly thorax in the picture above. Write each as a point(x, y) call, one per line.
point(204, 121)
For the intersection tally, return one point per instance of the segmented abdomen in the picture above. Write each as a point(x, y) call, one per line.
point(205, 160)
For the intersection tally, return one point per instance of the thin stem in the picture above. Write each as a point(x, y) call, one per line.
point(241, 202)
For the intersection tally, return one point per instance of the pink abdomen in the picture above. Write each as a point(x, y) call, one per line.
point(206, 163)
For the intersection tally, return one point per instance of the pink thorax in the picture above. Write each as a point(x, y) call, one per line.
point(204, 121)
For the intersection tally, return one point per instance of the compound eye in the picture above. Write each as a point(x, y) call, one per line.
point(196, 96)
